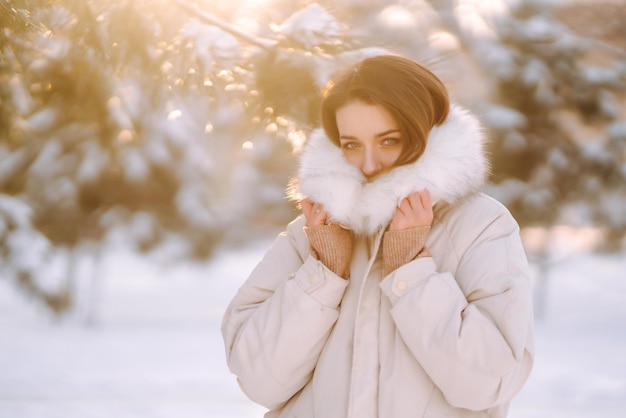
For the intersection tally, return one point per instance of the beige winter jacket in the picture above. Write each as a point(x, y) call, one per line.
point(442, 336)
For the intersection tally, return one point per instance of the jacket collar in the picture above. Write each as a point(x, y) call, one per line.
point(453, 165)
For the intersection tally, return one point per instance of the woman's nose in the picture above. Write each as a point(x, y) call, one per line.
point(371, 165)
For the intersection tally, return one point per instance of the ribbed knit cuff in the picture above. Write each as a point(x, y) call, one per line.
point(400, 247)
point(332, 245)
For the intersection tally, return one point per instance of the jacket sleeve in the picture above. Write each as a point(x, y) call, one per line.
point(277, 324)
point(471, 332)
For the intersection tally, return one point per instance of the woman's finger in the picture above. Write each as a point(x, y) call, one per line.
point(425, 198)
point(404, 207)
point(415, 201)
point(306, 205)
point(313, 212)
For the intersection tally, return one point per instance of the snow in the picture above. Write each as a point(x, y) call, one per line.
point(580, 343)
point(212, 45)
point(93, 163)
point(311, 26)
point(155, 349)
point(24, 247)
point(502, 117)
point(11, 162)
point(617, 131)
point(136, 168)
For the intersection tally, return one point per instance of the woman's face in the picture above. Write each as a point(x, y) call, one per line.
point(370, 137)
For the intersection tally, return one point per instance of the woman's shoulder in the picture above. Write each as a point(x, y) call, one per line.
point(475, 205)
point(488, 206)
point(296, 235)
point(295, 227)
point(476, 214)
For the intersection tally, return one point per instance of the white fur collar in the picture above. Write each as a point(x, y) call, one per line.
point(453, 165)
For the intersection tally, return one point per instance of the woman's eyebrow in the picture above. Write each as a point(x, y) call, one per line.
point(385, 133)
point(390, 131)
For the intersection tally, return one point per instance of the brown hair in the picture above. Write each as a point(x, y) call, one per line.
point(415, 97)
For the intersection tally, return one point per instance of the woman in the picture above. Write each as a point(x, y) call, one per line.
point(402, 291)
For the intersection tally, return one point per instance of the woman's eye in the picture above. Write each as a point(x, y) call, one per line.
point(391, 141)
point(349, 145)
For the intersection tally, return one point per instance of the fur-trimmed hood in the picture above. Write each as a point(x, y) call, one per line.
point(453, 165)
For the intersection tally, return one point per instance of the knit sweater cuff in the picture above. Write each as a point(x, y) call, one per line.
point(332, 245)
point(400, 247)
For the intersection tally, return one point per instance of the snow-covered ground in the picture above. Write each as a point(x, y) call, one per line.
point(156, 350)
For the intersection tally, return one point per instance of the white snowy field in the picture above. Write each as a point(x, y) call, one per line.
point(155, 349)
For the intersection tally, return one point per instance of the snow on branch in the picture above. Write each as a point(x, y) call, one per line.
point(267, 44)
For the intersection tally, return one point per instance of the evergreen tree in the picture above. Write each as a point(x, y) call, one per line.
point(167, 118)
point(556, 118)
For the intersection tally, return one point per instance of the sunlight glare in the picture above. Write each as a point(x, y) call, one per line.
point(444, 41)
point(477, 16)
point(125, 136)
point(396, 16)
point(297, 140)
point(174, 114)
point(271, 128)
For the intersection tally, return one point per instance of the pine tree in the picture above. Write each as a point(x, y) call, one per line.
point(157, 119)
point(560, 158)
point(120, 117)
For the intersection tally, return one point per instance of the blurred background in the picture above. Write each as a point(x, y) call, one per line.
point(145, 147)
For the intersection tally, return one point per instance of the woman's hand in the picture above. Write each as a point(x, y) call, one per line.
point(314, 213)
point(414, 210)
